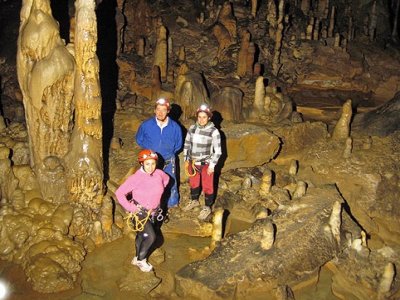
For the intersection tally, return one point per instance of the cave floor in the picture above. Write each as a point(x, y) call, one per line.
point(105, 267)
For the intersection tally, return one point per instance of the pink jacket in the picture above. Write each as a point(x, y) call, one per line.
point(146, 189)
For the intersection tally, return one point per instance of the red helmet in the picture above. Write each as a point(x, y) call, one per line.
point(163, 101)
point(147, 154)
point(204, 108)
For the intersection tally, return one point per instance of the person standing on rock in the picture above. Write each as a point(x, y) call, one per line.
point(163, 135)
point(140, 195)
point(202, 150)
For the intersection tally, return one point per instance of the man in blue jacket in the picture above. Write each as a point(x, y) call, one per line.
point(164, 136)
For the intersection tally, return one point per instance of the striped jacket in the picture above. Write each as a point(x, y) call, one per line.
point(203, 144)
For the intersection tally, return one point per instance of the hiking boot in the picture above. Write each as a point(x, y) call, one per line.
point(192, 204)
point(143, 265)
point(205, 212)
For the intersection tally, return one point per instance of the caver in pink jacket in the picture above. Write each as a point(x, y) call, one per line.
point(146, 189)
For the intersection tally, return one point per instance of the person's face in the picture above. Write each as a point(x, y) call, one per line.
point(161, 112)
point(149, 165)
point(202, 118)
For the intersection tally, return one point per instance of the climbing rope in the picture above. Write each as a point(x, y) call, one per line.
point(193, 168)
point(134, 222)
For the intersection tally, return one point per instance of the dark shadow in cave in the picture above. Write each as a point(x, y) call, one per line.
point(106, 52)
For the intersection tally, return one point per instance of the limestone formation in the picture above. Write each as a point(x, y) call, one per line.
point(268, 235)
point(301, 188)
point(342, 127)
point(85, 162)
point(293, 167)
point(161, 53)
point(386, 281)
point(241, 68)
point(190, 93)
point(266, 183)
point(348, 148)
point(228, 101)
point(46, 77)
point(217, 231)
point(335, 220)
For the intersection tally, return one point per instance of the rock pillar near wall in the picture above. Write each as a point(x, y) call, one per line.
point(45, 74)
point(85, 158)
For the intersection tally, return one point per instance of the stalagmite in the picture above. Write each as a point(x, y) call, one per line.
point(155, 83)
point(271, 18)
point(331, 26)
point(386, 280)
point(161, 52)
point(335, 220)
point(309, 30)
point(247, 183)
point(268, 236)
point(316, 30)
point(182, 53)
point(305, 6)
point(293, 167)
point(266, 183)
point(140, 48)
point(342, 128)
point(300, 190)
point(372, 23)
point(250, 59)
point(367, 143)
point(217, 228)
point(2, 124)
point(348, 148)
point(337, 40)
point(85, 160)
point(170, 48)
point(254, 4)
point(227, 19)
point(242, 55)
point(46, 77)
point(350, 30)
point(258, 104)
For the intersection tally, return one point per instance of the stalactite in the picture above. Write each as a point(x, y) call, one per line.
point(278, 39)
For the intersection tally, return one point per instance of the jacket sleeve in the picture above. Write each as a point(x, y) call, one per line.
point(122, 191)
point(186, 147)
point(165, 178)
point(178, 139)
point(216, 144)
point(141, 138)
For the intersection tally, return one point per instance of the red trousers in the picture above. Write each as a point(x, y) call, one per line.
point(202, 179)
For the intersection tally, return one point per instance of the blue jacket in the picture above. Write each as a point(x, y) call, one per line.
point(166, 142)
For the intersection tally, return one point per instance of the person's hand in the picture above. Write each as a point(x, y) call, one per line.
point(210, 170)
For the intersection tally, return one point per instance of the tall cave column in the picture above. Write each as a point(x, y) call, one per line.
point(45, 74)
point(85, 159)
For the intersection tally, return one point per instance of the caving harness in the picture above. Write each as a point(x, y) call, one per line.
point(138, 219)
point(187, 172)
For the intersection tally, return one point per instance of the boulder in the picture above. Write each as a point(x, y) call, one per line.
point(305, 240)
